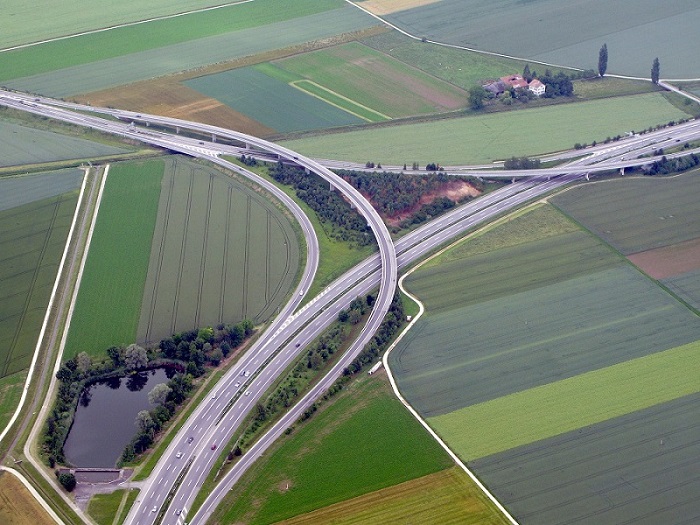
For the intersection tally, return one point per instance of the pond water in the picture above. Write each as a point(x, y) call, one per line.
point(105, 419)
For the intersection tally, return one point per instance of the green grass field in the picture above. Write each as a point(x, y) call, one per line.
point(221, 253)
point(20, 145)
point(376, 80)
point(10, 391)
point(32, 240)
point(364, 442)
point(569, 34)
point(22, 25)
point(113, 59)
point(270, 101)
point(487, 138)
point(637, 214)
point(104, 507)
point(562, 406)
point(109, 301)
point(446, 497)
point(133, 39)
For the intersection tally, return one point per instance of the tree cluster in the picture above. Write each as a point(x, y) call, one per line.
point(665, 165)
point(521, 163)
point(183, 355)
point(347, 224)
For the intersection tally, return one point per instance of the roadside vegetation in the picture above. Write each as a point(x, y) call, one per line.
point(105, 508)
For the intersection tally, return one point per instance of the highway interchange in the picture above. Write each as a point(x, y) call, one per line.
point(219, 415)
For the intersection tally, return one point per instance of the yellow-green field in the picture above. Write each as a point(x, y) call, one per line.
point(447, 497)
point(18, 506)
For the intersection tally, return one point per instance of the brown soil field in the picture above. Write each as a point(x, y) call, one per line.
point(17, 506)
point(171, 99)
point(455, 191)
point(386, 7)
point(441, 498)
point(669, 261)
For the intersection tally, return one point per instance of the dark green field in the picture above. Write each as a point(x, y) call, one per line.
point(364, 442)
point(475, 353)
point(20, 190)
point(641, 468)
point(221, 253)
point(20, 145)
point(687, 286)
point(638, 214)
point(32, 240)
point(270, 101)
point(109, 301)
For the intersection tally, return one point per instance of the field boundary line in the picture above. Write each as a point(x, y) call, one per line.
point(34, 493)
point(42, 332)
point(295, 84)
point(385, 361)
point(125, 24)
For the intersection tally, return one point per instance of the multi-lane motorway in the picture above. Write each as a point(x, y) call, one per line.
point(190, 455)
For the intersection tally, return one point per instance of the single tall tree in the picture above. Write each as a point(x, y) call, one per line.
point(603, 60)
point(655, 71)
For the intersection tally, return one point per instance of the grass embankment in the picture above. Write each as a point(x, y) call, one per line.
point(18, 506)
point(109, 302)
point(112, 508)
point(363, 442)
point(496, 136)
point(586, 399)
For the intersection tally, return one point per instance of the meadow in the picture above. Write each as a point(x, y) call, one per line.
point(569, 34)
point(22, 25)
point(638, 214)
point(18, 506)
point(104, 507)
point(32, 240)
point(19, 190)
point(109, 301)
point(446, 497)
point(10, 391)
point(270, 101)
point(376, 80)
point(538, 413)
point(135, 57)
point(21, 145)
point(687, 286)
point(221, 252)
point(365, 441)
point(638, 468)
point(486, 138)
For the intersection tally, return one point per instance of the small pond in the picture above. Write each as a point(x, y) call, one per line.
point(104, 422)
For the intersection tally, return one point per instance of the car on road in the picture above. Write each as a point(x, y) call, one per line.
point(178, 455)
point(297, 345)
point(238, 383)
point(247, 392)
point(154, 509)
point(246, 373)
point(190, 439)
point(178, 512)
point(213, 446)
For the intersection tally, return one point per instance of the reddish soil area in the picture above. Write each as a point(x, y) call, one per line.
point(455, 191)
point(662, 263)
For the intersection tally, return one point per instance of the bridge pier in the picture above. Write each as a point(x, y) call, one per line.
point(213, 137)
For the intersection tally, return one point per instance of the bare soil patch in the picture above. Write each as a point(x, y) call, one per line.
point(455, 191)
point(386, 7)
point(669, 261)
